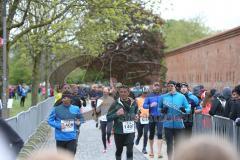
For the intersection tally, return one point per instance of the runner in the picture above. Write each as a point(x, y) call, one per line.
point(93, 95)
point(65, 118)
point(143, 123)
point(77, 100)
point(174, 105)
point(152, 103)
point(106, 126)
point(195, 109)
point(123, 112)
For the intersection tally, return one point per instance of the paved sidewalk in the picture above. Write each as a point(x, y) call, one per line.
point(164, 149)
point(90, 145)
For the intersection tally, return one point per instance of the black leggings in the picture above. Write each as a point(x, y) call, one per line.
point(68, 145)
point(122, 140)
point(143, 129)
point(172, 137)
point(106, 128)
point(152, 127)
point(22, 101)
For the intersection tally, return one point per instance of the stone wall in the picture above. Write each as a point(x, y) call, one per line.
point(213, 62)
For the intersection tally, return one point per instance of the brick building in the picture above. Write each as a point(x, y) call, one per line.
point(213, 62)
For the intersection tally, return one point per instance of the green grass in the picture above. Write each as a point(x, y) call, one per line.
point(16, 108)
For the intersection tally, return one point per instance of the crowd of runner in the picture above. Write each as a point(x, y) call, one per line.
point(152, 110)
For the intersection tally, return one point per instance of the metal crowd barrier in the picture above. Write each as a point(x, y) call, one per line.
point(217, 125)
point(202, 124)
point(26, 122)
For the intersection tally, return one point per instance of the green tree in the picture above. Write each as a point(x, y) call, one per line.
point(20, 70)
point(181, 32)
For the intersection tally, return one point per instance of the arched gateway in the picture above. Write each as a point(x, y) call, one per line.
point(134, 57)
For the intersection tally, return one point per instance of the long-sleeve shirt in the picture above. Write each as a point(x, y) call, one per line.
point(152, 97)
point(60, 115)
point(174, 115)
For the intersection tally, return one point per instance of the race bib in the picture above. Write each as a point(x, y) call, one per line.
point(103, 118)
point(128, 127)
point(144, 120)
point(68, 125)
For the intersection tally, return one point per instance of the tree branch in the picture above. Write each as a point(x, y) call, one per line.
point(12, 11)
point(41, 24)
point(23, 19)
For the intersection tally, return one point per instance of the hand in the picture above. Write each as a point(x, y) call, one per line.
point(63, 126)
point(183, 109)
point(120, 112)
point(197, 111)
point(77, 122)
point(164, 110)
point(153, 104)
point(137, 117)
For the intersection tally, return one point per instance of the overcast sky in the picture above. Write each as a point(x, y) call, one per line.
point(216, 14)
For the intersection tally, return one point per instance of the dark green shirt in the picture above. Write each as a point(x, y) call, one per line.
point(130, 110)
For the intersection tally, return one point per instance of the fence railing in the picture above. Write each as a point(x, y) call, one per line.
point(26, 122)
point(219, 126)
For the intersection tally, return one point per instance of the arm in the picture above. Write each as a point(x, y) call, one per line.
point(80, 117)
point(198, 107)
point(84, 101)
point(227, 109)
point(186, 105)
point(52, 120)
point(112, 115)
point(233, 112)
point(146, 103)
point(215, 103)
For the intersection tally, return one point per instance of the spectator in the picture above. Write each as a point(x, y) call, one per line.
point(235, 108)
point(206, 104)
point(218, 102)
point(229, 104)
point(23, 96)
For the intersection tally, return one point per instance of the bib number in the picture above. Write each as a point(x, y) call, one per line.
point(144, 120)
point(103, 118)
point(128, 127)
point(68, 125)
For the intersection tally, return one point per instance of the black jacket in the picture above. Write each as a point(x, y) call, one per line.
point(235, 110)
point(217, 108)
point(227, 108)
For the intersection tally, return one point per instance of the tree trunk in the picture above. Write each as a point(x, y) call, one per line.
point(5, 112)
point(35, 78)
